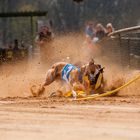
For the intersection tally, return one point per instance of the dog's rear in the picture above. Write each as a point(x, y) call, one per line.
point(54, 73)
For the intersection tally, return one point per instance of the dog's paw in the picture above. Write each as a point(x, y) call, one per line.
point(33, 90)
point(37, 90)
point(58, 93)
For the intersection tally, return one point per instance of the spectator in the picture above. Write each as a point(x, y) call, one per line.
point(100, 31)
point(89, 30)
point(9, 53)
point(3, 54)
point(48, 33)
point(22, 50)
point(109, 29)
point(16, 49)
point(44, 34)
point(16, 45)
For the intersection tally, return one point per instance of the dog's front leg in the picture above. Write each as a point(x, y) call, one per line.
point(74, 94)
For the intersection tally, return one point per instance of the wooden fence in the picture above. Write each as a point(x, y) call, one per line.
point(123, 47)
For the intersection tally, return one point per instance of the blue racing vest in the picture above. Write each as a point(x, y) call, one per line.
point(66, 71)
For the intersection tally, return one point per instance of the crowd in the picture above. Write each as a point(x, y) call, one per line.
point(97, 32)
point(13, 50)
point(16, 50)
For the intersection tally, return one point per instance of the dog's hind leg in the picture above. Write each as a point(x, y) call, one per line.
point(54, 73)
point(50, 77)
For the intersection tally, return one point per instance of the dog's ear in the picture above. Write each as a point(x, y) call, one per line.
point(91, 61)
point(83, 68)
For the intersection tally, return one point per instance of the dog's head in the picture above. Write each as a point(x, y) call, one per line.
point(91, 66)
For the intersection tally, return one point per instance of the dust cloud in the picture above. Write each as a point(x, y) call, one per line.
point(17, 77)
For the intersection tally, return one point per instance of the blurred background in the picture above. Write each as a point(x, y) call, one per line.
point(68, 15)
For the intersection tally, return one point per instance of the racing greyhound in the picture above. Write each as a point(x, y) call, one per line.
point(73, 75)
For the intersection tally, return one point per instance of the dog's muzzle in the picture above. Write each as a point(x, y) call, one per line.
point(92, 79)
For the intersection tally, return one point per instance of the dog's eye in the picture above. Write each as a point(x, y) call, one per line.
point(92, 72)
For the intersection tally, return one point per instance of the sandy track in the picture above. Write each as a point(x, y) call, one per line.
point(39, 119)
